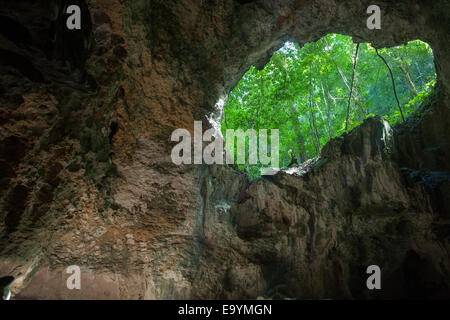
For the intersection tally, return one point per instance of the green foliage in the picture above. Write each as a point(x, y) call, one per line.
point(422, 98)
point(304, 92)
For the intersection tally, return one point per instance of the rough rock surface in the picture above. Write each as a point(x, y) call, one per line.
point(87, 179)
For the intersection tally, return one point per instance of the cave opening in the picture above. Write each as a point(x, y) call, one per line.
point(317, 92)
point(87, 178)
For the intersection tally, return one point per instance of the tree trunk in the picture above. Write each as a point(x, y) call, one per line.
point(393, 84)
point(351, 88)
point(325, 99)
point(260, 102)
point(345, 81)
point(302, 153)
point(408, 79)
point(420, 74)
point(313, 117)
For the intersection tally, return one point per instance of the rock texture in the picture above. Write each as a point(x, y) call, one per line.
point(87, 179)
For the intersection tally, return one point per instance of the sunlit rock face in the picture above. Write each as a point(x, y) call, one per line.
point(87, 178)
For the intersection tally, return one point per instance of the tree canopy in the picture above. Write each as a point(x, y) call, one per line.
point(317, 92)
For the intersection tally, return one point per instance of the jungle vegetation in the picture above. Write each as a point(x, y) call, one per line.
point(315, 93)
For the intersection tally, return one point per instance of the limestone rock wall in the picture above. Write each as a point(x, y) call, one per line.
point(87, 179)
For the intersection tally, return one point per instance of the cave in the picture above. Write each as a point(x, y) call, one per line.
point(87, 177)
point(302, 93)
